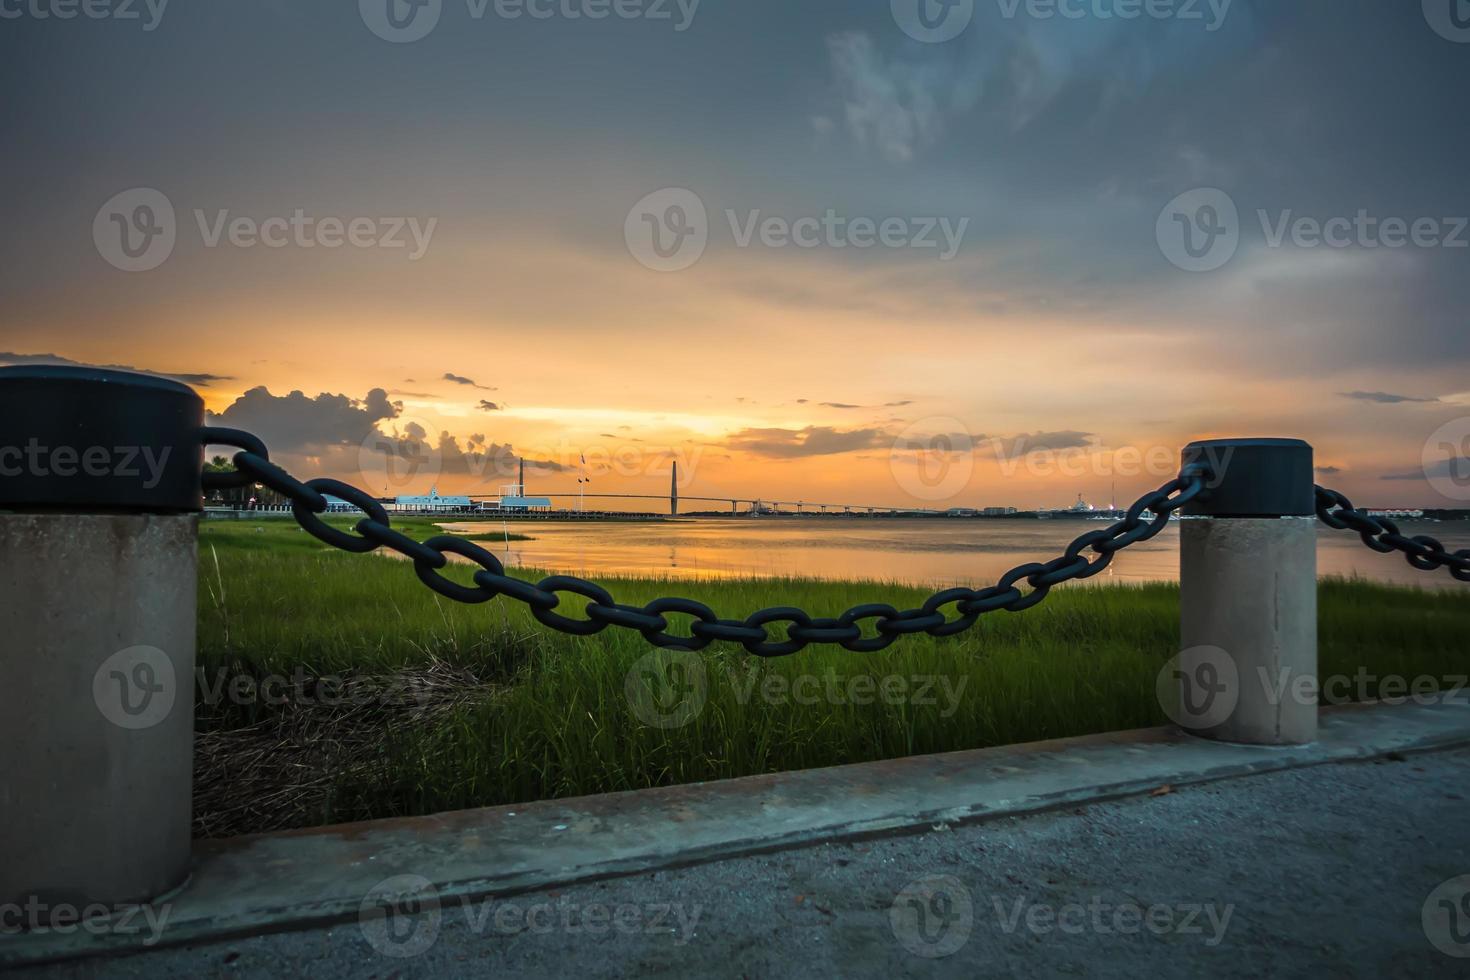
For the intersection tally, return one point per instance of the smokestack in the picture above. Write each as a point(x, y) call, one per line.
point(522, 485)
point(674, 491)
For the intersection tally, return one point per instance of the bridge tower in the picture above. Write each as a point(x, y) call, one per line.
point(674, 491)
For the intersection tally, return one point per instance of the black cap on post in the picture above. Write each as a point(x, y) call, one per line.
point(1253, 478)
point(85, 439)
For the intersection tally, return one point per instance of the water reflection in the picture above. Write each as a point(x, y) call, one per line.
point(922, 552)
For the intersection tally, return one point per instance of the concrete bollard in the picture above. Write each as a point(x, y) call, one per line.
point(1248, 581)
point(99, 493)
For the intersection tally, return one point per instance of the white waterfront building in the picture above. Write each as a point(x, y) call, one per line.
point(434, 501)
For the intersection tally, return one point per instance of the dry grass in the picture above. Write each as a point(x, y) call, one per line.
point(280, 772)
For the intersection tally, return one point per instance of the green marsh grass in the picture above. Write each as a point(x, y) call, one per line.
point(549, 716)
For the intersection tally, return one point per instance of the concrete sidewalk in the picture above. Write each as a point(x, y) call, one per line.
point(456, 861)
point(1302, 873)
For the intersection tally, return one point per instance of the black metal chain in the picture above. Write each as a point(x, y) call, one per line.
point(374, 530)
point(1382, 535)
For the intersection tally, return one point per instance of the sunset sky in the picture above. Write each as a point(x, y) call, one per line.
point(529, 321)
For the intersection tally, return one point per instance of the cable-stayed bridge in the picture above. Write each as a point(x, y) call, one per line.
point(738, 504)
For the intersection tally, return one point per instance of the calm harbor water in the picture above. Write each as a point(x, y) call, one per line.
point(922, 552)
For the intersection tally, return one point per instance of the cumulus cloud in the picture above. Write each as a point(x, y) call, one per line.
point(198, 379)
point(294, 423)
point(478, 458)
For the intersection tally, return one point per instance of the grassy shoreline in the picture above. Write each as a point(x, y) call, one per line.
point(389, 700)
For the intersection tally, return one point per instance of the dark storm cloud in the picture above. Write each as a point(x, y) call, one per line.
point(1076, 133)
point(199, 380)
point(943, 442)
point(1456, 469)
point(1063, 139)
point(814, 440)
point(1382, 397)
point(294, 423)
point(1010, 447)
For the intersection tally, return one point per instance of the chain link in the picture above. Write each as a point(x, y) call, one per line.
point(776, 632)
point(1382, 535)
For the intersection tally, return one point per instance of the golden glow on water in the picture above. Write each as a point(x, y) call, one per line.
point(921, 552)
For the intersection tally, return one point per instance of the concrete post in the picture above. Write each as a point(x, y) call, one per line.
point(99, 494)
point(1248, 581)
